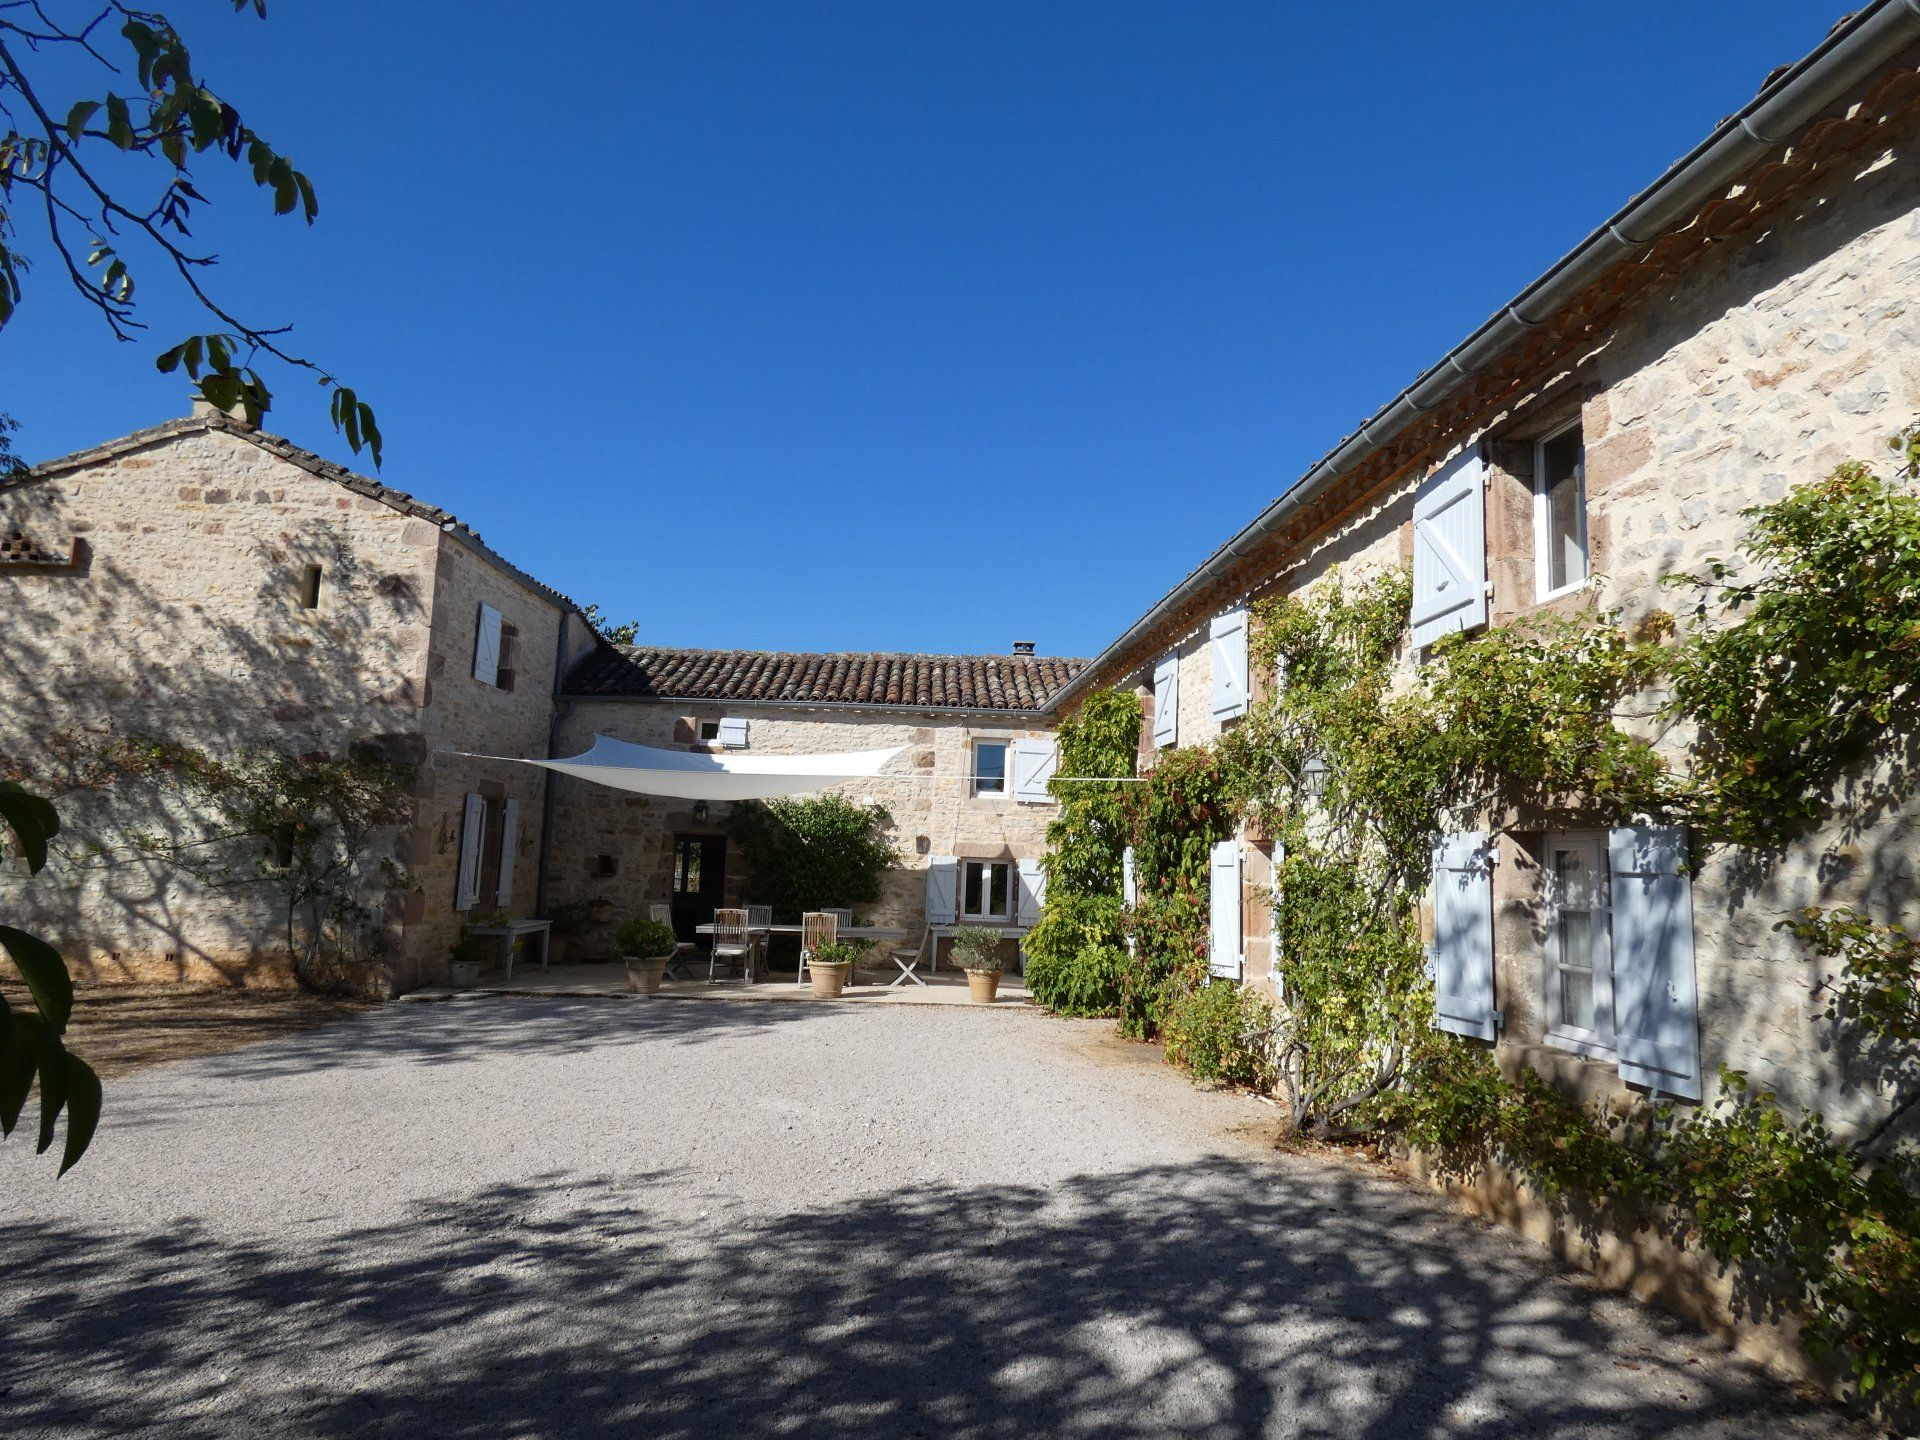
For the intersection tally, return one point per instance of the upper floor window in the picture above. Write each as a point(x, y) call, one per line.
point(495, 647)
point(310, 588)
point(989, 767)
point(1560, 513)
point(986, 890)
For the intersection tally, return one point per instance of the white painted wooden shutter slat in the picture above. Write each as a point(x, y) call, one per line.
point(509, 841)
point(1223, 900)
point(1655, 1003)
point(1450, 550)
point(486, 646)
point(733, 734)
point(473, 828)
point(943, 890)
point(1462, 954)
point(1033, 893)
point(1227, 652)
point(1129, 880)
point(1166, 701)
point(1034, 764)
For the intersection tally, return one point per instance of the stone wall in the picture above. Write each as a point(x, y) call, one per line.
point(925, 791)
point(1797, 349)
point(184, 622)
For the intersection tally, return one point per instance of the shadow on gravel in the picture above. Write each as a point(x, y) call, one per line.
point(1221, 1299)
point(488, 1027)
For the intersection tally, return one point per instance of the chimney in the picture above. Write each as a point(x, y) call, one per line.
point(1023, 647)
point(203, 407)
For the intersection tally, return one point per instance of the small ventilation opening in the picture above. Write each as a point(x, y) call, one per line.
point(310, 588)
point(1023, 647)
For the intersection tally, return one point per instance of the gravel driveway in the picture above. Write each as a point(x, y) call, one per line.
point(509, 1217)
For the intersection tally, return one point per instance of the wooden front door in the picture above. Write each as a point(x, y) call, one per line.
point(699, 880)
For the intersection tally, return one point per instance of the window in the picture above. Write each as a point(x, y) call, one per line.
point(509, 656)
point(310, 588)
point(1579, 943)
point(1560, 513)
point(986, 889)
point(709, 729)
point(989, 767)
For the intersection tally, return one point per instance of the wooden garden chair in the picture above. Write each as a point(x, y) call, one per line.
point(683, 950)
point(733, 943)
point(818, 928)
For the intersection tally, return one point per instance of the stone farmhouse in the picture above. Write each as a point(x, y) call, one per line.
point(206, 583)
point(1748, 321)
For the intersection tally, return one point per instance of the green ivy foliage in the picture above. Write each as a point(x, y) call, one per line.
point(1076, 954)
point(813, 852)
point(1189, 802)
point(1212, 1033)
point(1821, 655)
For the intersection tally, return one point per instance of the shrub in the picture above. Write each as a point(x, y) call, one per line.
point(1214, 1033)
point(845, 953)
point(813, 852)
point(645, 939)
point(1074, 958)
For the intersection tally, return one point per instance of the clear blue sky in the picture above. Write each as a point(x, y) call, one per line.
point(812, 325)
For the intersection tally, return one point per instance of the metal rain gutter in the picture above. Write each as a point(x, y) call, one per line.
point(1850, 54)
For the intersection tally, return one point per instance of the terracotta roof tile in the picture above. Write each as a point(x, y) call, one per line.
point(927, 682)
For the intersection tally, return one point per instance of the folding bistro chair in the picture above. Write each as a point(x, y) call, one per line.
point(817, 928)
point(732, 943)
point(759, 917)
point(908, 961)
point(683, 950)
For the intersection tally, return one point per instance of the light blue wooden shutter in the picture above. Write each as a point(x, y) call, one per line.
point(1034, 764)
point(509, 842)
point(486, 646)
point(943, 890)
point(1655, 1005)
point(1129, 880)
point(1450, 550)
point(1223, 896)
point(1227, 652)
point(1462, 955)
point(473, 829)
point(1166, 701)
point(733, 734)
point(1033, 893)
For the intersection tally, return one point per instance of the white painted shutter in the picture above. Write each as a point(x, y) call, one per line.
point(1129, 880)
point(1227, 649)
point(1166, 701)
point(733, 734)
point(1033, 893)
point(486, 646)
point(473, 829)
point(1462, 953)
point(1273, 944)
point(1223, 894)
point(943, 890)
point(1034, 764)
point(1654, 1001)
point(509, 842)
point(1450, 550)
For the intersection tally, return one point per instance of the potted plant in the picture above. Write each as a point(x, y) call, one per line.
point(467, 958)
point(565, 921)
point(645, 945)
point(831, 964)
point(977, 949)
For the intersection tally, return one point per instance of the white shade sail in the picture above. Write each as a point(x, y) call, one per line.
point(698, 775)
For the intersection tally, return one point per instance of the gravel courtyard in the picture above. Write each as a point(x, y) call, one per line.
point(508, 1217)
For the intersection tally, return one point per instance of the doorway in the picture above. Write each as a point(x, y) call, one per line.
point(699, 881)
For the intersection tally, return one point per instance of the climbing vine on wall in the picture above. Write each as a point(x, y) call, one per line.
point(1076, 954)
point(1801, 661)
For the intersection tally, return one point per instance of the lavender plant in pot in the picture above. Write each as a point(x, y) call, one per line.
point(645, 945)
point(977, 950)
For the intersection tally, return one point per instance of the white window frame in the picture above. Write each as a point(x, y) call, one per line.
point(700, 729)
point(986, 867)
point(1542, 539)
point(1599, 1041)
point(1006, 768)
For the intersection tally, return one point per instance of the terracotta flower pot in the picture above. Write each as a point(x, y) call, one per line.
point(828, 980)
point(643, 974)
point(557, 946)
point(984, 985)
